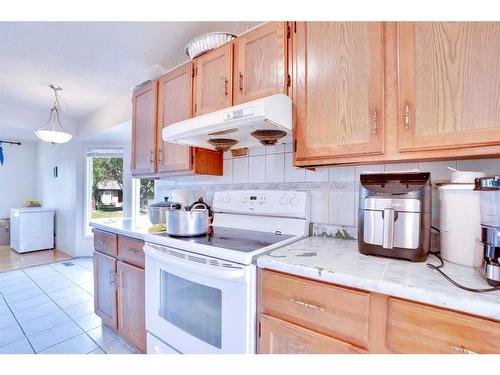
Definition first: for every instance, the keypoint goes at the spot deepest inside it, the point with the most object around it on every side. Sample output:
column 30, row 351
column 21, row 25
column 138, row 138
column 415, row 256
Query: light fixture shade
column 53, row 131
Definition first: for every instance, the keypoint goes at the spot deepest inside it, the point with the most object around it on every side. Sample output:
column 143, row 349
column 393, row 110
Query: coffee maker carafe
column 489, row 264
column 395, row 215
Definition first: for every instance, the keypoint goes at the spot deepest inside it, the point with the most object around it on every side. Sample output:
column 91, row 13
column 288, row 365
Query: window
column 104, row 197
column 143, row 192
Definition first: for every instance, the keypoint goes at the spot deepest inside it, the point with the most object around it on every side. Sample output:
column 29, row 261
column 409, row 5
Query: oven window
column 192, row 307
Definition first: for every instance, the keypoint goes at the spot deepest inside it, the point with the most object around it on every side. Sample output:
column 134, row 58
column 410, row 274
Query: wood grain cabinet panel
column 131, row 251
column 105, row 242
column 338, row 90
column 174, row 104
column 333, row 311
column 280, row 337
column 144, row 105
column 449, row 79
column 105, row 303
column 416, row 328
column 213, row 81
column 260, row 63
column 131, row 305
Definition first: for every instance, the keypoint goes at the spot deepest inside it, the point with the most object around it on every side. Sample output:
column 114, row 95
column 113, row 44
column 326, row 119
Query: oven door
column 198, row 305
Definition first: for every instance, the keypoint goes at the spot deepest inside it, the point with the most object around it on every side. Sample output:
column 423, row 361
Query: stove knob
column 294, row 201
column 226, row 199
column 283, row 201
column 219, row 199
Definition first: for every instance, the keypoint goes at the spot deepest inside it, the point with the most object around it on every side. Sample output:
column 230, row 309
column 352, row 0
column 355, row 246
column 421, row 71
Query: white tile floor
column 50, row 310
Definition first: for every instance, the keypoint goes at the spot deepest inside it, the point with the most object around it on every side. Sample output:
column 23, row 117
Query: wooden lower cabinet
column 299, row 315
column 119, row 295
column 131, row 313
column 281, row 337
column 104, row 289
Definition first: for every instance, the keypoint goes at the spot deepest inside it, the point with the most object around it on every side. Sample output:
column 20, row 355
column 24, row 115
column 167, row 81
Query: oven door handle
column 224, row 273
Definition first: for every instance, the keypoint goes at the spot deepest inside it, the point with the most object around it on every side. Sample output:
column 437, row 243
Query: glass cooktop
column 234, row 239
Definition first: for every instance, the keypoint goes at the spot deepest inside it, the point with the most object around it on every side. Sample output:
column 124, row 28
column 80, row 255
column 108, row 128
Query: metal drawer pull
column 226, row 84
column 134, row 250
column 462, row 350
column 374, row 121
column 305, row 304
column 407, row 115
column 100, row 242
column 241, row 82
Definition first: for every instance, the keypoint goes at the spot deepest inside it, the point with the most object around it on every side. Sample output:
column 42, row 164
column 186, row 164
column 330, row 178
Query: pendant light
column 53, row 131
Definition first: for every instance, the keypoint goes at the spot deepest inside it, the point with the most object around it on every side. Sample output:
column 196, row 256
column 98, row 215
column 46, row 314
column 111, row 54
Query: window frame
column 90, row 153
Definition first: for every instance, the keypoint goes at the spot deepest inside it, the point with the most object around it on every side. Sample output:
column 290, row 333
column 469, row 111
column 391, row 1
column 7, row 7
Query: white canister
column 459, row 222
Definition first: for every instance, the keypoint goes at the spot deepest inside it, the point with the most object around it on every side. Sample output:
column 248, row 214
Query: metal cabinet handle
column 160, row 151
column 112, row 278
column 407, row 115
column 307, row 305
column 375, row 121
column 226, row 84
column 151, row 156
column 100, row 242
column 133, row 250
column 241, row 82
column 462, row 350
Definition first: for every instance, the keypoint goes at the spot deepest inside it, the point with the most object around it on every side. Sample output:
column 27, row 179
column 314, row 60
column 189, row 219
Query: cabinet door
column 449, row 79
column 105, row 289
column 174, row 105
column 260, row 63
column 416, row 328
column 338, row 88
column 131, row 315
column 144, row 103
column 213, row 83
column 279, row 337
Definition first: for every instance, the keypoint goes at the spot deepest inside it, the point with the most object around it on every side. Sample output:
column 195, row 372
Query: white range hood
column 237, row 122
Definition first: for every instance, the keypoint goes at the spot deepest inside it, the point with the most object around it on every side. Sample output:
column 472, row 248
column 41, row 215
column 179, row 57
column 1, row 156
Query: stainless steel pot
column 191, row 223
column 157, row 211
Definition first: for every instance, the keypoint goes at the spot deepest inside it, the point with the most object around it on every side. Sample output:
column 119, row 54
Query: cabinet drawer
column 416, row 328
column 280, row 337
column 131, row 251
column 105, row 242
column 334, row 311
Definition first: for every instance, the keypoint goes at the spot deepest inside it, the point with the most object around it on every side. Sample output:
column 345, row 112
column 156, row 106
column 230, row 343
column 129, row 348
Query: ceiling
column 92, row 61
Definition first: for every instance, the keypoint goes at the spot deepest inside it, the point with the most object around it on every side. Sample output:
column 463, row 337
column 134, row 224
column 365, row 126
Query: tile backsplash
column 333, row 190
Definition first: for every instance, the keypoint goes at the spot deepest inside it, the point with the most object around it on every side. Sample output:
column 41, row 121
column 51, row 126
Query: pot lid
column 167, row 203
column 487, row 183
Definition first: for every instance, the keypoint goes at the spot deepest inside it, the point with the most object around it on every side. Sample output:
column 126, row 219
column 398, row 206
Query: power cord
column 438, row 268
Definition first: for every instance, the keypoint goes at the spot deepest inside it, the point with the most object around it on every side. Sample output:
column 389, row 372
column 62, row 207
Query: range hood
column 223, row 128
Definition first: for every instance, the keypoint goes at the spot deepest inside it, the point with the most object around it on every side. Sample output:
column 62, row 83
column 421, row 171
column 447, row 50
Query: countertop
column 339, row 262
column 126, row 227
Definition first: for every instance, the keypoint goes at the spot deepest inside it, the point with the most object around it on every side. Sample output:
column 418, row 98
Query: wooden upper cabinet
column 260, row 63
column 449, row 84
column 213, row 81
column 174, row 105
column 338, row 90
column 144, row 104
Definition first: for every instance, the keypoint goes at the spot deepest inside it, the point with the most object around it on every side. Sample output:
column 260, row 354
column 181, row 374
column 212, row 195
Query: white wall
column 18, row 176
column 60, row 192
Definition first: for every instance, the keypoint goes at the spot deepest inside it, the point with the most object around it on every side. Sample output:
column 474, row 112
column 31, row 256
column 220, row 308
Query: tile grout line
column 71, row 319
column 18, row 323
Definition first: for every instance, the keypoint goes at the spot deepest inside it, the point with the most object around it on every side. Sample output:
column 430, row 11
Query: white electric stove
column 201, row 291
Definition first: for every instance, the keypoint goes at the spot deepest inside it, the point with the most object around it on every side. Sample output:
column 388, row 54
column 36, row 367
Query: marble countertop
column 339, row 262
column 126, row 227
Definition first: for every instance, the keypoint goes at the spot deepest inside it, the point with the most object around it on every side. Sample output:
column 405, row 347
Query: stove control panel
column 262, row 202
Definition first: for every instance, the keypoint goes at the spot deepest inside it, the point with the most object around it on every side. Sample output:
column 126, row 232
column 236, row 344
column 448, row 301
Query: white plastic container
column 459, row 222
